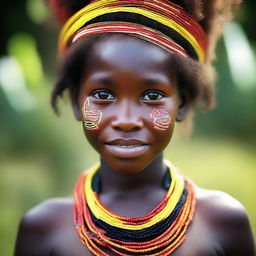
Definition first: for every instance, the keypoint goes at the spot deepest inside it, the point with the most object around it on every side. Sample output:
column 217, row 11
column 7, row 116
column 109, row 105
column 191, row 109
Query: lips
column 126, row 148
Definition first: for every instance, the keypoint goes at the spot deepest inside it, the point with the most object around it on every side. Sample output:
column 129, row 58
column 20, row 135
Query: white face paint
column 161, row 119
column 91, row 117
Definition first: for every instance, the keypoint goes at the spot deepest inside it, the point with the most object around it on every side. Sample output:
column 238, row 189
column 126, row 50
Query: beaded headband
column 160, row 22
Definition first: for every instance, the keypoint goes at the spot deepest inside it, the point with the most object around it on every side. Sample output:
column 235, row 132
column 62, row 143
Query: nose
column 128, row 117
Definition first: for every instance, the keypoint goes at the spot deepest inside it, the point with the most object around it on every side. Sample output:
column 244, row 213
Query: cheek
column 160, row 119
column 91, row 117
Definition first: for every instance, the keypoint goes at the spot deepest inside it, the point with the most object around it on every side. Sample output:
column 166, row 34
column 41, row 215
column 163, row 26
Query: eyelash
column 158, row 93
column 96, row 94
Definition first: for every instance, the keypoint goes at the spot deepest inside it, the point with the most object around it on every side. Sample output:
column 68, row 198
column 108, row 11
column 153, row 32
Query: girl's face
column 128, row 102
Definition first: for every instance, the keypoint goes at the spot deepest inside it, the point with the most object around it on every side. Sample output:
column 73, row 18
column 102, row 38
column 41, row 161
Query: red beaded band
column 133, row 29
column 171, row 11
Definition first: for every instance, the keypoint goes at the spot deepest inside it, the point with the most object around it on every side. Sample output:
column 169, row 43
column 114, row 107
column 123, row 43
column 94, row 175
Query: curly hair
column 195, row 81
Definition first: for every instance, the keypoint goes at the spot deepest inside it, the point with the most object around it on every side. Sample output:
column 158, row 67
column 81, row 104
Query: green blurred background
column 41, row 155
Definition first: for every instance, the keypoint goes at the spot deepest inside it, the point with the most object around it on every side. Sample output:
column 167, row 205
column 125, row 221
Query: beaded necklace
column 158, row 233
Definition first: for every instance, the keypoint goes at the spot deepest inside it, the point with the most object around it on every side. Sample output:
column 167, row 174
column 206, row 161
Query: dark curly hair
column 195, row 81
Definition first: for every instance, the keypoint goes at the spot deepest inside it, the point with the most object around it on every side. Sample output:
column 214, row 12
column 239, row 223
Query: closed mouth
column 127, row 143
column 127, row 146
column 124, row 148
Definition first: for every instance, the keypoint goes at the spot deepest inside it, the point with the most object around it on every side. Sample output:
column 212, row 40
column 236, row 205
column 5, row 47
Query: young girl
column 133, row 68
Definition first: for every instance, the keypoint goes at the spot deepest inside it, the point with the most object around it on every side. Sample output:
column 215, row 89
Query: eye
column 103, row 94
column 152, row 95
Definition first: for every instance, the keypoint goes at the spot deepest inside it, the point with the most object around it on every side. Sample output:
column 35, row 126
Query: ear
column 182, row 111
column 77, row 111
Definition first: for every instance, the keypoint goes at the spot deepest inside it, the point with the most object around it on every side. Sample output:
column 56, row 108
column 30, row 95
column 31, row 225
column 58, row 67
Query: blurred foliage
column 41, row 155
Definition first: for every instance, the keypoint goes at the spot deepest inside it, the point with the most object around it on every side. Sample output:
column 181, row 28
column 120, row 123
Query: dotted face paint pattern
column 91, row 117
column 161, row 119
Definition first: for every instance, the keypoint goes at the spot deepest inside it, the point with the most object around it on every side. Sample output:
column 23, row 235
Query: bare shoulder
column 39, row 223
column 48, row 214
column 217, row 205
column 228, row 220
column 48, row 210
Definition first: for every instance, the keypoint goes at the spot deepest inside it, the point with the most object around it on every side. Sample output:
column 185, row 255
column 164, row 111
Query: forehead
column 130, row 54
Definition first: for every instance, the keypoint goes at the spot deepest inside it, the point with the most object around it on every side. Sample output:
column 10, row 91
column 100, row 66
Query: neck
column 149, row 178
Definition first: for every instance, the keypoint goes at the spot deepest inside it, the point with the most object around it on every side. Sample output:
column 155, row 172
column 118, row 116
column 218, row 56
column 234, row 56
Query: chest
column 199, row 242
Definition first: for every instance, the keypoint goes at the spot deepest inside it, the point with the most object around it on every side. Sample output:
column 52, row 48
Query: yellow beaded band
column 100, row 212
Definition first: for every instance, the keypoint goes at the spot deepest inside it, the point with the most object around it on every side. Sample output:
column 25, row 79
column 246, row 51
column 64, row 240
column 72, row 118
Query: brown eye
column 103, row 95
column 152, row 95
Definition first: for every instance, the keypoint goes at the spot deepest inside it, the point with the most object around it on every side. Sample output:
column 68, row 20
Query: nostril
column 136, row 129
column 127, row 129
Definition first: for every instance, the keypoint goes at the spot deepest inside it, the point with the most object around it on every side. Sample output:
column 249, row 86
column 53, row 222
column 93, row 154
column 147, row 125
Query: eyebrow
column 102, row 80
column 156, row 80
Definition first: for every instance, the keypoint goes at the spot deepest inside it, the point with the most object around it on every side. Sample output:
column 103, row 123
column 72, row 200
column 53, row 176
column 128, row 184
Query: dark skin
column 126, row 80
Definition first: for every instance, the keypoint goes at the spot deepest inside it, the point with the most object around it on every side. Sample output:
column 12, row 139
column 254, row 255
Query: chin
column 128, row 166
